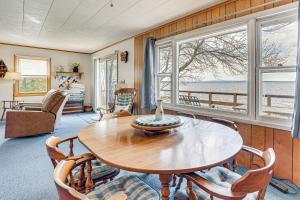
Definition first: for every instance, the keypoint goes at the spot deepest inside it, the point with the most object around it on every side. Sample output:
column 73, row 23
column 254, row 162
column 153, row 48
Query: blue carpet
column 26, row 171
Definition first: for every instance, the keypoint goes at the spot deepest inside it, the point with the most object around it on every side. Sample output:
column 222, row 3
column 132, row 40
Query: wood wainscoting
column 287, row 149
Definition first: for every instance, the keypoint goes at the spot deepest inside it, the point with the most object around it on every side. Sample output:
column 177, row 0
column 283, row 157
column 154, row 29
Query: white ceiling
column 86, row 25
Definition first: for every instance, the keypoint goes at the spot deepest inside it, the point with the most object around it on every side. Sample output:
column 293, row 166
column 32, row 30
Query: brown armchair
column 34, row 122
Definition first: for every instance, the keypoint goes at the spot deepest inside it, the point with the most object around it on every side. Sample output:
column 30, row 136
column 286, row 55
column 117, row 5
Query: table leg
column 165, row 180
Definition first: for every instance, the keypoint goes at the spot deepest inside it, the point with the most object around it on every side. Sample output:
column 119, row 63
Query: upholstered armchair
column 33, row 122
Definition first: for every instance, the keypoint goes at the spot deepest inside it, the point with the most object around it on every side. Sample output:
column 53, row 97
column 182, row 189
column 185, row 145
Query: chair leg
column 174, row 181
column 190, row 191
column 179, row 183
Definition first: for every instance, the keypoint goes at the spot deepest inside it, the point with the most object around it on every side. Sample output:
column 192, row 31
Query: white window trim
column 252, row 116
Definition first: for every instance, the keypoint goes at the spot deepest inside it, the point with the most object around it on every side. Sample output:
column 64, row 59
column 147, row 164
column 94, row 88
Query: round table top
column 194, row 146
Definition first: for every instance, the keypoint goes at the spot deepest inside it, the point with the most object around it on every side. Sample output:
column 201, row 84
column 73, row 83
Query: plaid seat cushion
column 98, row 170
column 132, row 186
column 222, row 177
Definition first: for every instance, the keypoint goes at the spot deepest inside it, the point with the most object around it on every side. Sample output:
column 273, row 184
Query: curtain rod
column 221, row 17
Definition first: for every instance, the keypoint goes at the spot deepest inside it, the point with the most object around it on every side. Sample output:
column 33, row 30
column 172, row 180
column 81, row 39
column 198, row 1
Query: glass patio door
column 106, row 80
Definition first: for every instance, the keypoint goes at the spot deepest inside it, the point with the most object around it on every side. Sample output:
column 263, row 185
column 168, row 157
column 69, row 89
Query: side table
column 11, row 105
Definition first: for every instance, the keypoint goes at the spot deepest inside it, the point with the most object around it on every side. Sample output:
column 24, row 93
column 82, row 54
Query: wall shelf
column 64, row 74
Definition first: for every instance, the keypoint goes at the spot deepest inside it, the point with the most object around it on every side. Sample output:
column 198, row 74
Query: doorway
column 106, row 79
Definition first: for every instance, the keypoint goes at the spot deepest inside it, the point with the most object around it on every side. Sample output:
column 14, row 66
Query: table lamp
column 12, row 76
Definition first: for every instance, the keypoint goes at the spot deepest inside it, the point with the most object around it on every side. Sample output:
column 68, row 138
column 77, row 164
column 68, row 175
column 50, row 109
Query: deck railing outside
column 190, row 97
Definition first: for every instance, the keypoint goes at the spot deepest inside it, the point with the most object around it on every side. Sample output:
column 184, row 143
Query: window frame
column 17, row 93
column 230, row 29
column 159, row 75
column 260, row 68
column 252, row 114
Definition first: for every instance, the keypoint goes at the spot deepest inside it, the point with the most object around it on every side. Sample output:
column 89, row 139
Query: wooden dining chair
column 225, row 122
column 123, row 101
column 127, row 187
column 101, row 173
column 224, row 184
column 231, row 164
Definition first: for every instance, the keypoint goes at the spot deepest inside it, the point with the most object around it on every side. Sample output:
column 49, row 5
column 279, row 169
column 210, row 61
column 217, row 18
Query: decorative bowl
column 148, row 123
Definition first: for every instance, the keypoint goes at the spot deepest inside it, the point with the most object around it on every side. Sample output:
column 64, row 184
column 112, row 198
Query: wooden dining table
column 195, row 146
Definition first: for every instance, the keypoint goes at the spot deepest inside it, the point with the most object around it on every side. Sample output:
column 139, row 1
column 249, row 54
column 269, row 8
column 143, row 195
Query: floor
column 26, row 171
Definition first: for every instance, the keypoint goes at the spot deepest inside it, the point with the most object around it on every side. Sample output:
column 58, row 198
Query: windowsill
column 238, row 117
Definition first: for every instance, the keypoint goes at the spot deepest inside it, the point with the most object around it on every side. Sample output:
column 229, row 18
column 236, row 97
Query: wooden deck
column 188, row 97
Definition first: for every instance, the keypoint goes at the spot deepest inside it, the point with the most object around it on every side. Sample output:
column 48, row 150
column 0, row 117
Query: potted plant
column 75, row 67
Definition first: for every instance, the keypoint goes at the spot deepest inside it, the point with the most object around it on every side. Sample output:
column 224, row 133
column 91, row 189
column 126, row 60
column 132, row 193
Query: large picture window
column 240, row 69
column 35, row 76
column 213, row 71
column 277, row 48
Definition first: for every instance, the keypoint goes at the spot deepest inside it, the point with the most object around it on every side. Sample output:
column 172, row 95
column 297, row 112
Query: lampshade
column 12, row 76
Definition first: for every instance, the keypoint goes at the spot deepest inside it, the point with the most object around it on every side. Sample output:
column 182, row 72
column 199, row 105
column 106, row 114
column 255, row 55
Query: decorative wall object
column 124, row 56
column 3, row 69
column 75, row 67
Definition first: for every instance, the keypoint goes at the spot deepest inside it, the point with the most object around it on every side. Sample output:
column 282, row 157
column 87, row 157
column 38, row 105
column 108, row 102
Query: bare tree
column 226, row 53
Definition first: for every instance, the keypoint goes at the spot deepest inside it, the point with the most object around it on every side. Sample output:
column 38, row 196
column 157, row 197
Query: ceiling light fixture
column 111, row 4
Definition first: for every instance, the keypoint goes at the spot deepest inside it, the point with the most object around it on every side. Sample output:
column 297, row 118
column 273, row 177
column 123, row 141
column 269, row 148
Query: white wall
column 7, row 53
column 125, row 70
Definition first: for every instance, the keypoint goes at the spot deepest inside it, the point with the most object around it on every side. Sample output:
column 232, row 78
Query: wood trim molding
column 43, row 48
column 16, row 85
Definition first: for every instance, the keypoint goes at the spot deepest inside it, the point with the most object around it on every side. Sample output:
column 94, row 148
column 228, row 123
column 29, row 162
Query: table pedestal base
column 165, row 180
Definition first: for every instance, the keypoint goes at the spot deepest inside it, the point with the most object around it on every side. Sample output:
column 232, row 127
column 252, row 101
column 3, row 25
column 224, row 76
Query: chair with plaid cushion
column 221, row 183
column 123, row 102
column 101, row 173
column 127, row 187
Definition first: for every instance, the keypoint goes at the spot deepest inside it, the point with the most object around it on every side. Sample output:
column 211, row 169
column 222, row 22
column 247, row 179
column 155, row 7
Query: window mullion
column 251, row 31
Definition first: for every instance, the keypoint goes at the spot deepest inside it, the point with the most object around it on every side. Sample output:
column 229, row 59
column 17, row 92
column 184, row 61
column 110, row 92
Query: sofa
column 38, row 120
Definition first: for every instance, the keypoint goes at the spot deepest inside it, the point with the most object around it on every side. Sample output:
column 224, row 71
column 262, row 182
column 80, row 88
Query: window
column 277, row 66
column 213, row 71
column 35, row 76
column 240, row 69
column 164, row 75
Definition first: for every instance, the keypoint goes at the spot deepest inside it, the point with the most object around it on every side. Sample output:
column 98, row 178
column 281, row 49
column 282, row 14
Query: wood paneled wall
column 287, row 149
column 191, row 22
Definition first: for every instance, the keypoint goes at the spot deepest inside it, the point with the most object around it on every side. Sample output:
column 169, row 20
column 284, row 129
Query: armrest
column 78, row 157
column 34, row 104
column 115, row 115
column 251, row 150
column 212, row 188
column 105, row 109
column 120, row 196
column 85, row 158
column 32, row 108
column 25, row 123
column 68, row 139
